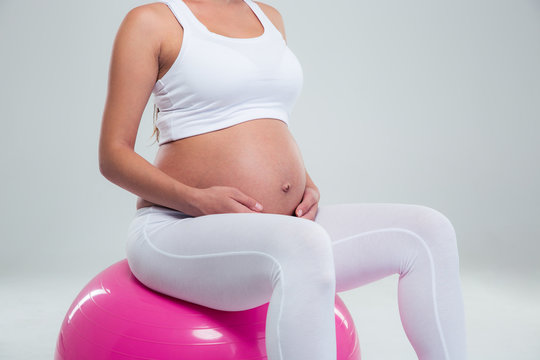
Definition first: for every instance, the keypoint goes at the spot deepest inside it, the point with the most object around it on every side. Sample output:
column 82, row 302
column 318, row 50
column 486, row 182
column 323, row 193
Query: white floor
column 503, row 317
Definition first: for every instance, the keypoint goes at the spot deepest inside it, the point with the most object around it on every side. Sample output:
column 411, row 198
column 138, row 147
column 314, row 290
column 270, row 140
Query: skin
column 253, row 166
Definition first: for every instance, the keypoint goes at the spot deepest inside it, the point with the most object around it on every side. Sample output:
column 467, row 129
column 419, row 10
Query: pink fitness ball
column 116, row 317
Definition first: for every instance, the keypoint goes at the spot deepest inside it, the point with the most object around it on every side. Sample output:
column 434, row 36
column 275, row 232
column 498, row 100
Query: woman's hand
column 307, row 209
column 223, row 199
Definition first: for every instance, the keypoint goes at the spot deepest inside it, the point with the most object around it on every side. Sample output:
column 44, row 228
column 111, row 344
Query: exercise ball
column 117, row 317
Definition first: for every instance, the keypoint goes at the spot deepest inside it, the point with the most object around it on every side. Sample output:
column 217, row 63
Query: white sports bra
column 218, row 81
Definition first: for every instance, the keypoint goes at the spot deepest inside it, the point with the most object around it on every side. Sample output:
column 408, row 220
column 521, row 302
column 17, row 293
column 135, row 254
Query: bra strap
column 181, row 12
column 268, row 25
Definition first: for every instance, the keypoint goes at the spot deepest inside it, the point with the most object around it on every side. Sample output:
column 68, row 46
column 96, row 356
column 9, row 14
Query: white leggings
column 238, row 261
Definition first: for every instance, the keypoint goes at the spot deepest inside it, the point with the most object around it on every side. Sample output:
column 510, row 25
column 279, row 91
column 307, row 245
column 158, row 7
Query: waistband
column 159, row 209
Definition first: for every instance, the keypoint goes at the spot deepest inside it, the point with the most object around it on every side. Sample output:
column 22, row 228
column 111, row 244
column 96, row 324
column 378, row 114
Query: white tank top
column 218, row 81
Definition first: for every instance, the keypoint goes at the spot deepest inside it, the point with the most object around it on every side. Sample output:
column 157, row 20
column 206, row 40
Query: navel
column 285, row 187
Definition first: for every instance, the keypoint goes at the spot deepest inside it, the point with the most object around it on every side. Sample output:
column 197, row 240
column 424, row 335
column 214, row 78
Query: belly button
column 285, row 187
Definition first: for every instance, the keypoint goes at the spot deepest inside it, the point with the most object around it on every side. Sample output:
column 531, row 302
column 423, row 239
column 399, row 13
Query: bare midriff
column 259, row 157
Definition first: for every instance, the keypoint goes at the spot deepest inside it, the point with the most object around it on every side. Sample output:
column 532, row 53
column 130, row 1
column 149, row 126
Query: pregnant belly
column 259, row 157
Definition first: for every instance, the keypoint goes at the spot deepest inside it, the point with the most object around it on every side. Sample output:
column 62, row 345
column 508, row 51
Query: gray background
column 428, row 102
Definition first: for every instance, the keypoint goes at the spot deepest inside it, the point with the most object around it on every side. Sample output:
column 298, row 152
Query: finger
column 301, row 209
column 240, row 208
column 311, row 213
column 247, row 201
column 306, row 205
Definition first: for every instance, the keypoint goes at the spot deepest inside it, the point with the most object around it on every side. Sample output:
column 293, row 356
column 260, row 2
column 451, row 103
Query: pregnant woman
column 227, row 216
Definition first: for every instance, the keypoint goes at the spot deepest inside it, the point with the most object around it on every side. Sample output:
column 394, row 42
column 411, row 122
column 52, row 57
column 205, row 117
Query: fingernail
column 258, row 206
column 299, row 212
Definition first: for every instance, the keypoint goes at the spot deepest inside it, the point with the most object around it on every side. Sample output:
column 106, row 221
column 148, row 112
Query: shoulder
column 144, row 20
column 146, row 15
column 147, row 25
column 274, row 15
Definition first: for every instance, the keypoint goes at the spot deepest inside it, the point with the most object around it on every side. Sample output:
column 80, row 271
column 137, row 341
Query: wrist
column 310, row 183
column 313, row 186
column 315, row 189
column 188, row 198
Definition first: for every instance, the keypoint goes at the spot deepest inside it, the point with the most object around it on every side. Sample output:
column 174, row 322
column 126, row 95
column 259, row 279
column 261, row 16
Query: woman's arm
column 309, row 205
column 132, row 75
column 310, row 183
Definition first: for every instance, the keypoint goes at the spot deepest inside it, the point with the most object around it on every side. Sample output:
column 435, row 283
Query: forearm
column 127, row 169
column 309, row 182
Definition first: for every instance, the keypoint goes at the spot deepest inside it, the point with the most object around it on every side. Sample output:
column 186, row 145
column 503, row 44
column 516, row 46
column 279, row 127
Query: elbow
column 111, row 160
column 110, row 169
column 105, row 167
column 107, row 163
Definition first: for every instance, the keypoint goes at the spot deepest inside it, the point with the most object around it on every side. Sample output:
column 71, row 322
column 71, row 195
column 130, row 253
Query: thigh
column 347, row 219
column 374, row 240
column 223, row 261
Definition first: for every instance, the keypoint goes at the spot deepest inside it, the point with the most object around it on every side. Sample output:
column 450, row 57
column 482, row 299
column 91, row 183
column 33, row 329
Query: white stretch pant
column 238, row 261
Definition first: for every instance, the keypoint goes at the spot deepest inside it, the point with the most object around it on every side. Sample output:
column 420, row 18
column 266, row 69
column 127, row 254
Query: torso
column 259, row 157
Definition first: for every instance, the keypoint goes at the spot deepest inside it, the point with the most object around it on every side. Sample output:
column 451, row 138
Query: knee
column 436, row 221
column 435, row 228
column 302, row 235
column 306, row 249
